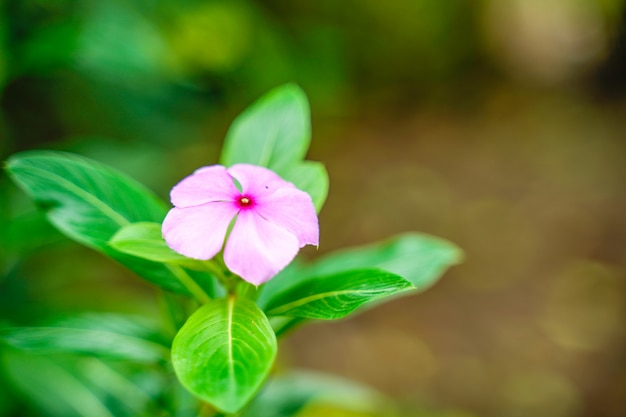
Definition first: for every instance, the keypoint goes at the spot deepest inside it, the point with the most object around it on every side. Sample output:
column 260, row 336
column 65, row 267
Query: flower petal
column 198, row 232
column 292, row 210
column 207, row 184
column 257, row 249
column 256, row 180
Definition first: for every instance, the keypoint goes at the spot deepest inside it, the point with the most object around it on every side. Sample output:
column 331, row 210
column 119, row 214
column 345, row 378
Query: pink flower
column 273, row 219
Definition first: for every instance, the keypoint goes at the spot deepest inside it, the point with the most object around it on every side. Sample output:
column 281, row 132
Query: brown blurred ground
column 532, row 187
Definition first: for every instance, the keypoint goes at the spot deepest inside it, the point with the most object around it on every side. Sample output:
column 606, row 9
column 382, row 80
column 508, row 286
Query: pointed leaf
column 144, row 240
column 124, row 324
column 274, row 132
column 89, row 202
column 224, row 352
column 419, row 258
column 84, row 341
column 86, row 200
column 53, row 388
column 335, row 296
column 63, row 385
column 311, row 177
column 131, row 390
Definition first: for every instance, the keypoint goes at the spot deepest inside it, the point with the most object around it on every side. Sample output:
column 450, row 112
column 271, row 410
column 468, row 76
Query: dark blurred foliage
column 498, row 125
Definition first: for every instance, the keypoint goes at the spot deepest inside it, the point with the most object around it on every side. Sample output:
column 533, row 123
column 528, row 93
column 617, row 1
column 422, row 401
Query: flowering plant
column 274, row 219
column 222, row 258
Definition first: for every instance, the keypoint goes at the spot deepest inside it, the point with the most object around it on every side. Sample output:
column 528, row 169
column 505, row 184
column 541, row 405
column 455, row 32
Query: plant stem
column 193, row 287
column 231, row 282
column 214, row 267
column 247, row 290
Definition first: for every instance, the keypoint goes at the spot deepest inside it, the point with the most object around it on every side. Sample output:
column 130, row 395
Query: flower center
column 244, row 201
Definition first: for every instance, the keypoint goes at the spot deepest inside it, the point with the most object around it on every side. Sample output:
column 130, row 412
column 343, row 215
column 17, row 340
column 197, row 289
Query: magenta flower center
column 244, row 201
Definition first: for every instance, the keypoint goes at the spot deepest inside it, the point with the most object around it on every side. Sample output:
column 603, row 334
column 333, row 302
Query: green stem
column 216, row 269
column 193, row 287
column 247, row 290
column 233, row 284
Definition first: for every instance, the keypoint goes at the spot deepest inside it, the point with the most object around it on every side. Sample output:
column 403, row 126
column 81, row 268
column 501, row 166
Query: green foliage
column 287, row 394
column 145, row 240
column 275, row 132
column 89, row 202
column 87, row 365
column 420, row 258
column 335, row 296
column 311, row 177
column 106, row 336
column 53, row 387
column 66, row 386
column 224, row 352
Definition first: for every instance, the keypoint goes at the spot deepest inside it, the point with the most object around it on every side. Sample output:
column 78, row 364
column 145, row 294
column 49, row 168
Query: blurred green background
column 499, row 125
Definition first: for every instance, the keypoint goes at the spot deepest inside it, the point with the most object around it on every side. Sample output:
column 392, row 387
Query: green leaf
column 335, row 296
column 86, row 200
column 224, row 352
column 66, row 386
column 287, row 394
column 144, row 240
column 92, row 342
column 123, row 324
column 311, row 177
column 419, row 258
column 274, row 132
column 89, row 202
column 26, row 231
column 54, row 389
column 135, row 390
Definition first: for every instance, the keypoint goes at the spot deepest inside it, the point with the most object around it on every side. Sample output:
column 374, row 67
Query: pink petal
column 292, row 210
column 198, row 232
column 256, row 180
column 257, row 249
column 207, row 184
